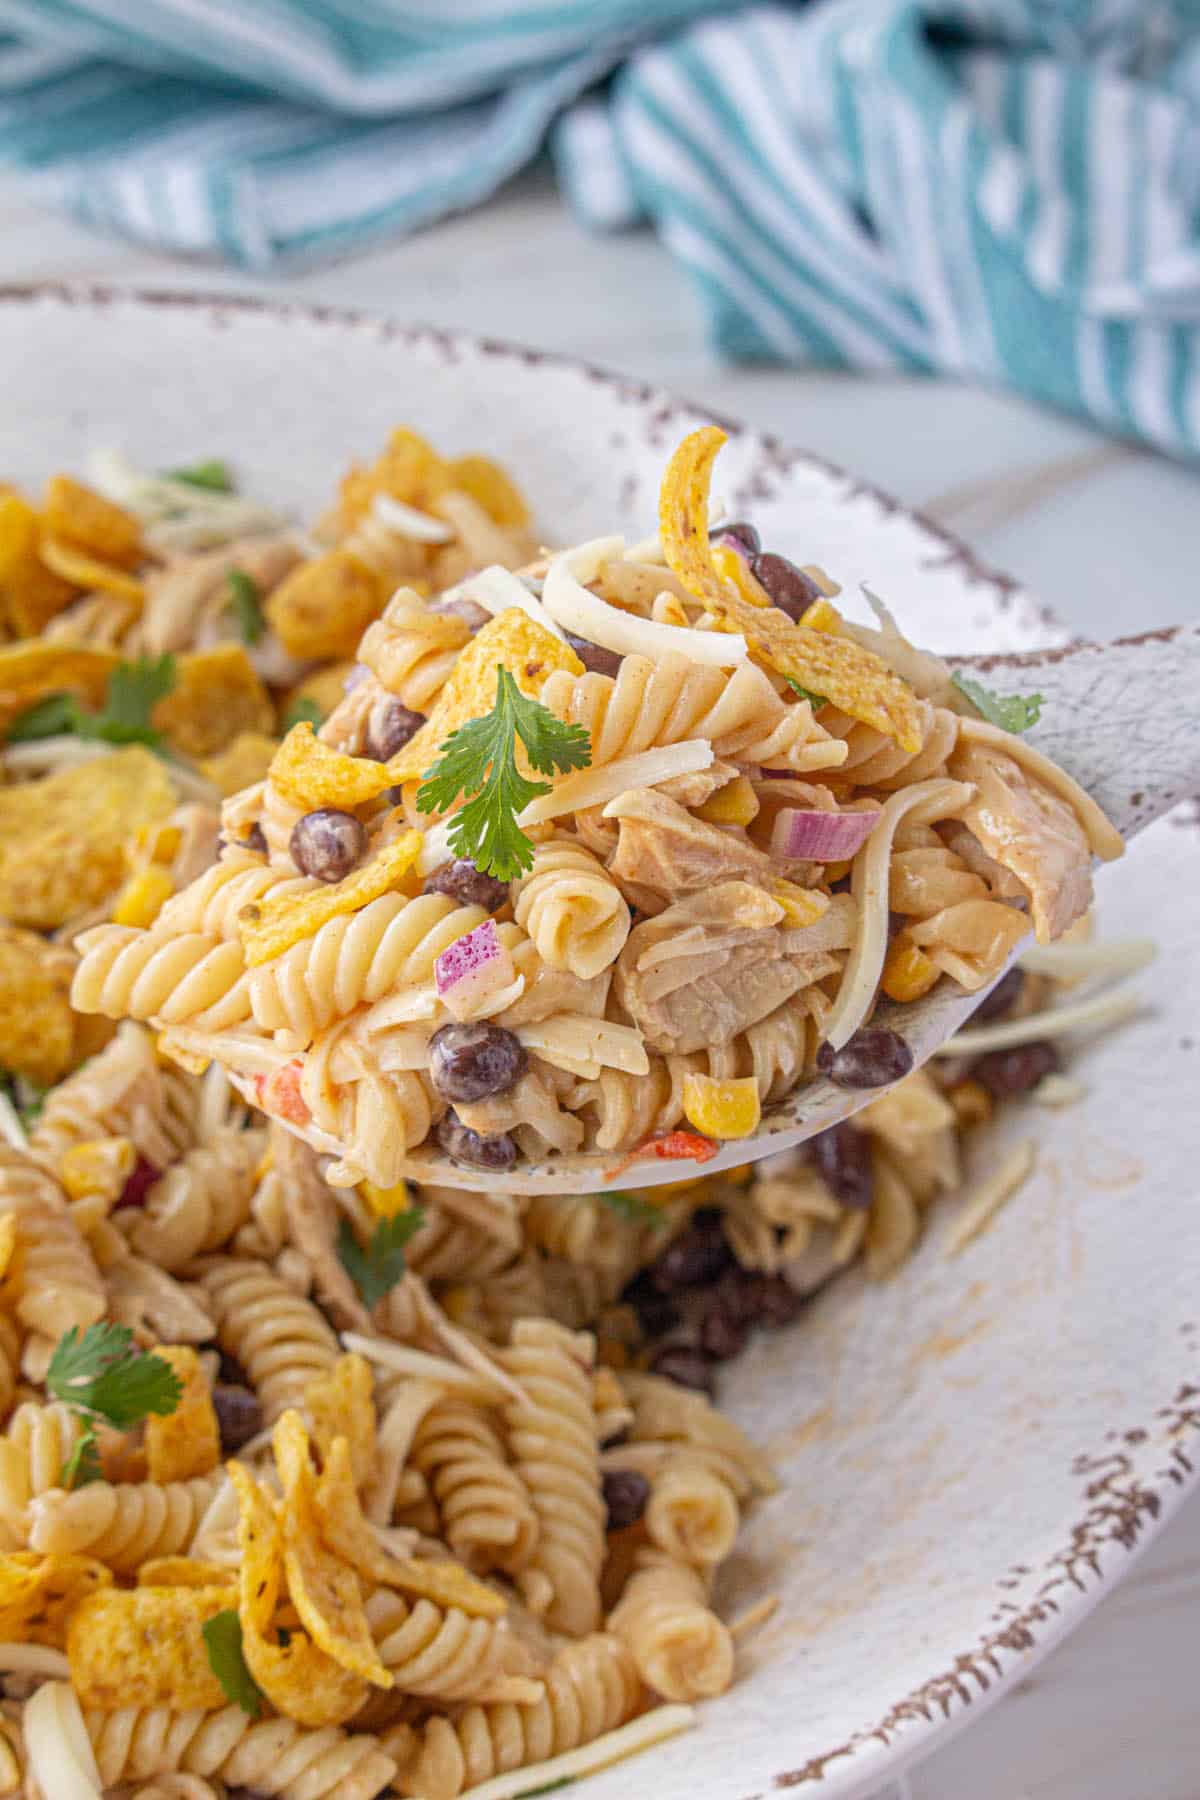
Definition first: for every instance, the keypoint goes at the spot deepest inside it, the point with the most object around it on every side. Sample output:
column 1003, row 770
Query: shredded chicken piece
column 701, row 785
column 711, row 966
column 312, row 1217
column 193, row 589
column 664, row 846
column 1030, row 832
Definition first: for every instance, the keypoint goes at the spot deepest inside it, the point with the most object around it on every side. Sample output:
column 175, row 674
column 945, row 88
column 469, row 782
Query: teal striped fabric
column 1008, row 189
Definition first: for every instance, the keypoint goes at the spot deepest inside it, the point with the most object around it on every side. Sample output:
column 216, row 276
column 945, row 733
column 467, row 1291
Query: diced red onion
column 471, row 968
column 801, row 834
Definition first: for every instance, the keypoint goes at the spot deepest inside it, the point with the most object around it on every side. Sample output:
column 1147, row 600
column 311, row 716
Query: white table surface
column 1108, row 534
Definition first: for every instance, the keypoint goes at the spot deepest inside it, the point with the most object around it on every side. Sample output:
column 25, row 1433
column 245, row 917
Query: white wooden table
column 1107, row 534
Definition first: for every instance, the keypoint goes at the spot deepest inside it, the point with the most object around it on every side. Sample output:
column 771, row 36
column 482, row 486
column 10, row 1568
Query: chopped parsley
column 814, row 700
column 376, row 1267
column 214, row 475
column 223, row 1641
column 134, row 690
column 302, row 711
column 247, row 605
column 629, row 1206
column 1011, row 712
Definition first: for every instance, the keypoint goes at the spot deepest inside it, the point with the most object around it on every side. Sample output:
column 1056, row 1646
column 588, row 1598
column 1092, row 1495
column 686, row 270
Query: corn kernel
column 731, row 567
column 99, row 1166
column 837, row 871
column 158, row 843
column 722, row 1109
column 385, row 1203
column 908, row 973
column 734, row 804
column 820, row 616
column 971, row 1102
column 143, row 897
column 801, row 906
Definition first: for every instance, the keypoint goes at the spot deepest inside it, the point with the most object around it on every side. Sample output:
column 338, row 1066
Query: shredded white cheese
column 983, row 1205
column 1105, row 1009
column 754, row 1616
column 1075, row 962
column 596, row 787
column 652, row 1728
column 34, row 1659
column 410, row 523
column 61, row 1758
column 403, row 1361
column 585, row 1045
column 498, row 590
column 1059, row 1091
column 568, row 601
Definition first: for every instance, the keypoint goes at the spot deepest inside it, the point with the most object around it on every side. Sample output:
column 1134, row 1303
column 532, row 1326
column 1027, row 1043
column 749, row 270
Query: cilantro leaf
column 214, row 475
column 247, row 604
column 301, row 711
column 83, row 1464
column 376, row 1267
column 806, row 693
column 54, row 716
column 223, row 1641
column 102, row 1377
column 628, row 1206
column 134, row 690
column 479, row 760
column 1011, row 712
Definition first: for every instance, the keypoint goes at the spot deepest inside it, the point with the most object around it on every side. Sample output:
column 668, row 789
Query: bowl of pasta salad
column 457, row 810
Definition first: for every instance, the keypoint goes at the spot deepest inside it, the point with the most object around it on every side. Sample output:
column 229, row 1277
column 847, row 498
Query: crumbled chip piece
column 37, row 1025
column 722, row 1109
column 217, row 693
column 323, row 607
column 187, row 1441
column 98, row 1166
column 88, row 572
column 29, row 672
column 143, row 897
column 79, row 515
column 181, row 1572
column 240, row 763
column 39, row 1593
column 283, row 920
column 145, row 1647
column 410, row 470
column 340, row 1403
column 310, row 774
column 30, row 593
column 63, row 837
column 495, row 491
column 856, row 680
column 513, row 641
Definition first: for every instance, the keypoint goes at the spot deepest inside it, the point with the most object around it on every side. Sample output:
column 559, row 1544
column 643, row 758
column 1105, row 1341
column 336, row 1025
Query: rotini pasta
column 486, row 1514
column 126, row 973
column 123, row 1524
column 57, row 1283
column 679, row 1645
column 438, row 1653
column 411, row 649
column 572, row 909
column 270, row 1756
column 280, row 1339
column 201, row 1201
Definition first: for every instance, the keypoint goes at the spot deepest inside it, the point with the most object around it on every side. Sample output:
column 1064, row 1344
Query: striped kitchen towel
column 1003, row 188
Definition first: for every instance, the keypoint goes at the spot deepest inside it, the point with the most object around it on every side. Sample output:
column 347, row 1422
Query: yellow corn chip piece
column 31, row 671
column 37, row 1026
column 341, row 1404
column 495, row 491
column 79, row 515
column 346, row 1531
column 310, row 774
column 145, row 1647
column 186, row 1442
column 183, row 1572
column 323, row 607
column 63, row 838
column 856, row 680
column 270, row 929
column 39, row 1593
column 297, row 1677
column 512, row 640
column 410, row 469
column 241, row 763
column 89, row 572
column 30, row 593
column 217, row 694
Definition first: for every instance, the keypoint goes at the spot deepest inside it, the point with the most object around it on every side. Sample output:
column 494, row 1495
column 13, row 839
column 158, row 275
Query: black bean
column 738, row 1293
column 472, row 1062
column 327, row 844
column 256, row 839
column 874, row 1057
column 594, row 656
column 389, row 727
column 473, row 616
column 779, row 1302
column 791, row 590
column 656, row 1312
column 625, row 1495
column 230, row 1370
column 463, row 882
column 1006, row 1073
column 480, row 1150
column 138, row 1182
column 686, row 1368
column 740, row 534
column 843, row 1159
column 697, row 1256
column 722, row 1335
column 239, row 1415
column 1003, row 997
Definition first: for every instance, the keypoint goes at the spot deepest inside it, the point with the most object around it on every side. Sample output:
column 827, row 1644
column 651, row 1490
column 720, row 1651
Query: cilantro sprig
column 223, row 1640
column 806, row 693
column 103, row 1378
column 134, row 690
column 479, row 761
column 214, row 475
column 1011, row 712
column 629, row 1206
column 376, row 1267
column 247, row 605
column 302, row 711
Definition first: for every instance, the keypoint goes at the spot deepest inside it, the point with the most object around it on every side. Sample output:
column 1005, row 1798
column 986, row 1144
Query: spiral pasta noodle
column 37, row 1442
column 679, row 1645
column 122, row 1092
column 200, row 1202
column 446, row 1248
column 591, row 1687
column 280, row 1339
column 412, row 649
column 552, row 1435
column 571, row 908
column 212, row 902
column 123, row 1525
column 56, row 1279
column 273, row 1757
column 486, row 1515
column 692, row 1515
column 875, row 761
column 126, row 973
column 665, row 702
column 436, row 1652
column 277, row 818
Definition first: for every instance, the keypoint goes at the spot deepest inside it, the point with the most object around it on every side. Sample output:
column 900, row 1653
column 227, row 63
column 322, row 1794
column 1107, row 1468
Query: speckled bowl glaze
column 974, row 1451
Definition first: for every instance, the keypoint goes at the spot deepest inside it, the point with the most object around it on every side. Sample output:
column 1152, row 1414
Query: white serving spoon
column 1122, row 718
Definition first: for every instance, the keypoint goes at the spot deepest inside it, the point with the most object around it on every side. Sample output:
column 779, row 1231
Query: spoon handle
column 1122, row 718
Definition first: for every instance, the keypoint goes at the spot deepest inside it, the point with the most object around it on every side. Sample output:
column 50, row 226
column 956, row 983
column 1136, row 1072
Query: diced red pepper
column 674, row 1146
column 142, row 1178
column 279, row 1093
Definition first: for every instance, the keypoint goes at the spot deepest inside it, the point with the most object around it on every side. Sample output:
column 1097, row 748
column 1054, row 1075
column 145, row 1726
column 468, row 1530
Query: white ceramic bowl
column 974, row 1451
